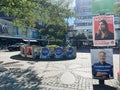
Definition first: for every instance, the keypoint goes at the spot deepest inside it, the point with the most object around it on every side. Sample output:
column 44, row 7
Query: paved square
column 52, row 75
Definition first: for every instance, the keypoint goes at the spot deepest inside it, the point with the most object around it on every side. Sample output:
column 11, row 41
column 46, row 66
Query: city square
column 26, row 74
column 60, row 45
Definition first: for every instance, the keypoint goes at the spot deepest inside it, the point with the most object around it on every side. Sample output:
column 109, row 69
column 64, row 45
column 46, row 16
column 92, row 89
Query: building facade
column 83, row 21
column 10, row 34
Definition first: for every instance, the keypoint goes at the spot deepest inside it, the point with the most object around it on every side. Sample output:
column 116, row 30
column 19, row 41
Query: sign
column 103, row 30
column 102, row 6
column 102, row 63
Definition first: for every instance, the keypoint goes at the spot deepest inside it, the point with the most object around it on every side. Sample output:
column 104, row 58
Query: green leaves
column 50, row 12
column 117, row 8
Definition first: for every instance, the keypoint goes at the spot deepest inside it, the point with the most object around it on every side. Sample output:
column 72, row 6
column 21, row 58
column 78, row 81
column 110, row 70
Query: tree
column 24, row 11
column 56, row 27
column 117, row 9
column 48, row 12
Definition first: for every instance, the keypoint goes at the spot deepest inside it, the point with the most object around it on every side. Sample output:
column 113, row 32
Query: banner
column 103, row 30
column 102, row 7
column 102, row 63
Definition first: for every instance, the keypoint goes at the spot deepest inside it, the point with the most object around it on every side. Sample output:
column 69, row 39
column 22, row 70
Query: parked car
column 15, row 47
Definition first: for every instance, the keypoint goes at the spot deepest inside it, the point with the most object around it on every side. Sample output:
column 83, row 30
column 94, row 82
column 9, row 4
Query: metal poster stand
column 101, row 82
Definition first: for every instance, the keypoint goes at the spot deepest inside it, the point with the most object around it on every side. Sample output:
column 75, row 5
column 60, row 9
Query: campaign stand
column 103, row 23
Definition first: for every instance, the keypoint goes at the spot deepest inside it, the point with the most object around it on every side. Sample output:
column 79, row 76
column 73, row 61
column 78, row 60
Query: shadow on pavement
column 103, row 87
column 20, row 79
column 10, row 63
column 19, row 57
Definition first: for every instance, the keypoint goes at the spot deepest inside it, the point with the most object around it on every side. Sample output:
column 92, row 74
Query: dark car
column 15, row 47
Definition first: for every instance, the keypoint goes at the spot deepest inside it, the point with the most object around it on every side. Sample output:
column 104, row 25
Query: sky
column 71, row 20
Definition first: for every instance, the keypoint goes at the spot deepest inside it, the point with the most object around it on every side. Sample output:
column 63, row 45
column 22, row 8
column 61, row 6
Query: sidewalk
column 75, row 75
column 54, row 75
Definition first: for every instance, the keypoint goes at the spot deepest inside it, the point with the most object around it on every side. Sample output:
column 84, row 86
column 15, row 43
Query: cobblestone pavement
column 60, row 75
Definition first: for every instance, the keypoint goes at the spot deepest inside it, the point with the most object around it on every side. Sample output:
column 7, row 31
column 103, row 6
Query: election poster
column 30, row 52
column 45, row 53
column 58, row 52
column 37, row 52
column 102, row 64
column 23, row 51
column 103, row 30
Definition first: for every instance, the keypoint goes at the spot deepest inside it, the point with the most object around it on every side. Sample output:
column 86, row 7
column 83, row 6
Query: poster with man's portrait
column 103, row 30
column 102, row 63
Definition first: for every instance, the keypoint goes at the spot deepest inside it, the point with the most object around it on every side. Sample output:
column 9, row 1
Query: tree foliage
column 117, row 8
column 52, row 13
column 57, row 27
column 24, row 11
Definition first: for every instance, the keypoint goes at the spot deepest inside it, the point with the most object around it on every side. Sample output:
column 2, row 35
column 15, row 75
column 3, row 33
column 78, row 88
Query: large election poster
column 102, row 63
column 103, row 30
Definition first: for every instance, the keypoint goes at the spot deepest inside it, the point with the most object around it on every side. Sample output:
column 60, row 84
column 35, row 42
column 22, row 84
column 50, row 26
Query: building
column 10, row 34
column 83, row 20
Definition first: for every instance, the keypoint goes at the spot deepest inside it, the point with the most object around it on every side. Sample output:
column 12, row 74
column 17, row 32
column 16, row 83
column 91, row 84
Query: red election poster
column 103, row 30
